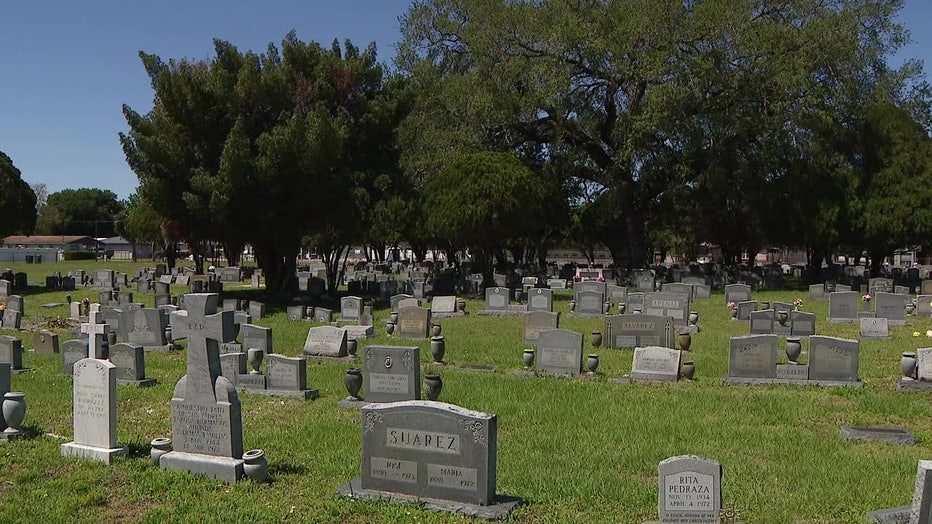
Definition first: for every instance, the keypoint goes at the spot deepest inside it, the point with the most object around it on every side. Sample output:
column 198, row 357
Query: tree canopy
column 86, row 211
column 17, row 200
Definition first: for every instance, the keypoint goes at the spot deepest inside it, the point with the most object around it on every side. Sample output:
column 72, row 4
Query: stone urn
column 782, row 317
column 14, row 410
column 592, row 363
column 734, row 313
column 351, row 346
column 764, row 305
column 621, row 308
column 907, row 364
column 693, row 318
column 793, row 349
column 158, row 447
column 636, row 311
column 606, row 307
column 519, row 294
column 686, row 340
column 432, row 386
column 437, row 348
column 393, row 317
column 528, row 358
column 255, row 356
column 255, row 465
column 435, row 330
column 572, row 305
column 309, row 312
column 689, row 369
column 353, row 382
column 596, row 338
column 389, row 328
column 910, row 308
column 461, row 305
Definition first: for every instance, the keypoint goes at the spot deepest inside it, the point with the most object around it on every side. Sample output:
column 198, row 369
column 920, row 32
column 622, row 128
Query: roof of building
column 32, row 240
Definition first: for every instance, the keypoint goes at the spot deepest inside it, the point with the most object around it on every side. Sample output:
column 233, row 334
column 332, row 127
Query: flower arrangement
column 2, row 306
column 929, row 333
column 798, row 303
column 916, row 333
column 731, row 304
column 867, row 298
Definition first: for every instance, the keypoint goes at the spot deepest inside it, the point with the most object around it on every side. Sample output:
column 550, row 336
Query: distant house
column 59, row 242
column 122, row 249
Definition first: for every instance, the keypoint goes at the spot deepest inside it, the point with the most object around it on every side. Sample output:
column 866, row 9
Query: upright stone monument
column 207, row 427
column 95, row 434
column 690, row 490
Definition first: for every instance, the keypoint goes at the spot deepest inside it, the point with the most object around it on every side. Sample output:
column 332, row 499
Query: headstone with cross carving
column 207, row 427
column 96, row 338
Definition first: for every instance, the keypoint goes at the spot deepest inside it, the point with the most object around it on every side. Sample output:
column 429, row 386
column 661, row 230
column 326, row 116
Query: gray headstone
column 559, row 352
column 350, row 308
column 656, row 363
column 702, row 291
column 874, row 327
column 921, row 512
column 630, row 330
column 129, row 361
column 431, row 450
column 497, row 298
column 257, row 337
column 395, row 299
column 71, row 352
column 745, row 309
column 45, row 342
column 690, row 490
column 323, row 315
column 891, row 307
column 833, row 358
column 12, row 319
column 232, row 365
column 445, row 304
column 75, row 311
column 540, row 299
column 11, row 352
column 325, row 341
column 843, row 305
column 148, row 328
column 924, row 363
column 392, row 373
column 6, row 288
column 556, row 283
column 295, row 313
column 537, row 321
column 674, row 305
column 256, row 309
column 680, row 289
column 15, row 303
column 590, row 285
column 737, row 293
column 589, row 303
column 286, row 373
column 753, row 356
column 802, row 324
column 94, row 410
column 762, row 322
column 413, row 323
column 210, row 445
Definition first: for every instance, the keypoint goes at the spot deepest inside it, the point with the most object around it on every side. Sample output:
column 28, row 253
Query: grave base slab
column 500, row 510
column 898, row 515
column 913, row 385
column 105, row 455
column 352, row 403
column 744, row 381
column 303, row 394
column 144, row 383
column 224, row 469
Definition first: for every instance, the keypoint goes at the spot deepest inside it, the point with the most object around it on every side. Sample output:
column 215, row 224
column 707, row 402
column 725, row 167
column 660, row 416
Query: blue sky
column 68, row 67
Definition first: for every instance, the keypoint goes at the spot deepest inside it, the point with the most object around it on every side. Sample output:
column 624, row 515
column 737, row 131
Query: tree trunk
column 278, row 263
column 232, row 251
column 331, row 257
column 876, row 257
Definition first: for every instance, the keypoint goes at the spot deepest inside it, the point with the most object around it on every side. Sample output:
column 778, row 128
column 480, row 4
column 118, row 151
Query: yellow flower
column 929, row 333
column 916, row 333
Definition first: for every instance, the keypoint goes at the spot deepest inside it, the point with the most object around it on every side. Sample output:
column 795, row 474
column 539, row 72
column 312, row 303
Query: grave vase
column 351, row 346
column 389, row 328
column 159, row 447
column 592, row 362
column 528, row 358
column 782, row 317
column 686, row 340
column 309, row 312
column 255, row 465
column 596, row 338
column 14, row 410
column 255, row 360
column 693, row 317
column 435, row 330
column 432, row 386
column 910, row 307
column 793, row 349
column 353, row 382
column 764, row 305
column 461, row 305
column 907, row 364
column 572, row 305
column 437, row 348
column 734, row 313
column 621, row 308
column 519, row 294
column 393, row 317
column 689, row 369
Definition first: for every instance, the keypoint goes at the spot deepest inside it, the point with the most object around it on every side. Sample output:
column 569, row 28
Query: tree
column 85, row 211
column 481, row 201
column 691, row 98
column 263, row 149
column 139, row 222
column 17, row 200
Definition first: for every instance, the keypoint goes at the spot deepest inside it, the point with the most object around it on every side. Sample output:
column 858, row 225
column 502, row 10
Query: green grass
column 575, row 450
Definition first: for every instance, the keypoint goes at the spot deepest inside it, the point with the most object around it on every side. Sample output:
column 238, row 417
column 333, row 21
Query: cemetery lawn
column 581, row 450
